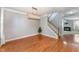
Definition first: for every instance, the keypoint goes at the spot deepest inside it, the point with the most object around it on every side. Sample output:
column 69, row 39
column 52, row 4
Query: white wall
column 0, row 25
column 17, row 25
column 45, row 29
column 57, row 20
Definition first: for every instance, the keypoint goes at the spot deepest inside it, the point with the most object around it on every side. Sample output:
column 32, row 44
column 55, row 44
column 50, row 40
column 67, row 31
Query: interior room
column 39, row 29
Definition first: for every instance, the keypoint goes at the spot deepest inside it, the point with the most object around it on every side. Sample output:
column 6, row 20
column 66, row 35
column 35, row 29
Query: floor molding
column 20, row 37
column 50, row 36
column 29, row 36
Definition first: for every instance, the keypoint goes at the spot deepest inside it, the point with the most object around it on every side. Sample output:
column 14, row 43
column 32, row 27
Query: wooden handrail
column 52, row 28
column 57, row 32
column 53, row 24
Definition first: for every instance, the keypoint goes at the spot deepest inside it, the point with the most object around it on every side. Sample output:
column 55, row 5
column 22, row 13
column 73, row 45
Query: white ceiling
column 41, row 10
column 47, row 10
column 0, row 11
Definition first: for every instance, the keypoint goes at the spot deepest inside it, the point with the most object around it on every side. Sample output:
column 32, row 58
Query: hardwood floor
column 39, row 44
column 69, row 38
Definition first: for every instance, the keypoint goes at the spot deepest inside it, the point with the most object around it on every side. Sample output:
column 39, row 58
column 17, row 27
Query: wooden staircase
column 54, row 28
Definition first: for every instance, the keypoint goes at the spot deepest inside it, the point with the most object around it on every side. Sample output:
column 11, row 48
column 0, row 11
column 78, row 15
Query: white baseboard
column 29, row 36
column 51, row 36
column 20, row 37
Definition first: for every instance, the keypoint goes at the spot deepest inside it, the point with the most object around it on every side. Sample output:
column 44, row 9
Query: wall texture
column 0, row 25
column 45, row 29
column 17, row 25
column 56, row 19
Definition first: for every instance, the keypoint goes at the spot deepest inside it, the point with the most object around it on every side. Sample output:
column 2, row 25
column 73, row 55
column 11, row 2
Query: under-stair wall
column 45, row 29
column 56, row 20
column 0, row 25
